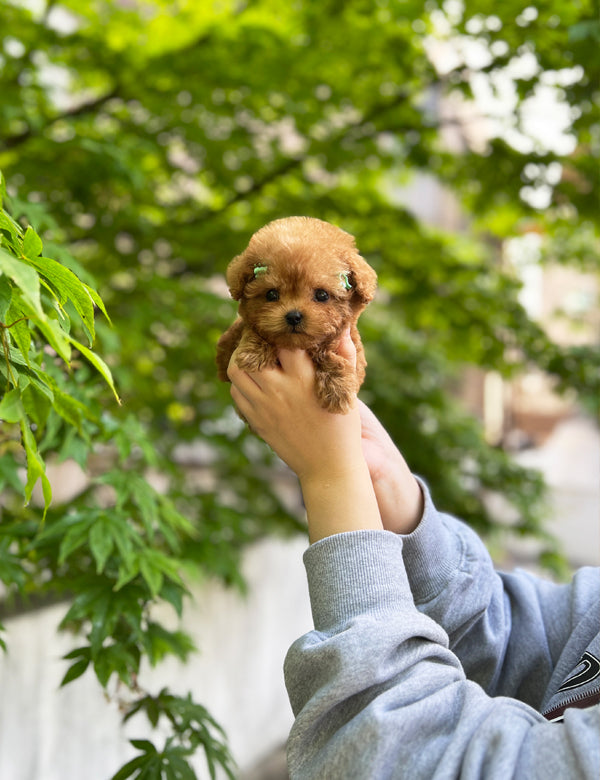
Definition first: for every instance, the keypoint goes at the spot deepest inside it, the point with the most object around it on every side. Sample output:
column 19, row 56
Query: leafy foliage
column 142, row 147
column 118, row 556
column 192, row 726
column 36, row 294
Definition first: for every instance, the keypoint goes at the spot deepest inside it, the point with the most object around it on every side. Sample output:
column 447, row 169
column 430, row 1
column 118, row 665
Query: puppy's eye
column 321, row 296
column 272, row 295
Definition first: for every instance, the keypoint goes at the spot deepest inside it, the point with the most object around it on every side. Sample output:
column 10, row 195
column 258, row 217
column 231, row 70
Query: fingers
column 250, row 387
column 243, row 388
column 347, row 348
column 241, row 380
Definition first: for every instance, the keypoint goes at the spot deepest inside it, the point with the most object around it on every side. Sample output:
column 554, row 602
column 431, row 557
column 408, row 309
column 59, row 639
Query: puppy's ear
column 239, row 273
column 363, row 279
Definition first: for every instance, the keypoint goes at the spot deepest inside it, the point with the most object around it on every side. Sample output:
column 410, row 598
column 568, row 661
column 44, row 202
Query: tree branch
column 375, row 111
column 83, row 108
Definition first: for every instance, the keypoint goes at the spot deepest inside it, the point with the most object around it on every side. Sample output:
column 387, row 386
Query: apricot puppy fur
column 301, row 282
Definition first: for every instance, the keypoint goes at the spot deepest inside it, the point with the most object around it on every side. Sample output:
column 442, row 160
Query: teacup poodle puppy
column 301, row 283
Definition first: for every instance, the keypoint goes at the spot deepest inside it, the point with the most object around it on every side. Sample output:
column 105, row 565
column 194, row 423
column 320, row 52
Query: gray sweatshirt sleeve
column 507, row 630
column 378, row 693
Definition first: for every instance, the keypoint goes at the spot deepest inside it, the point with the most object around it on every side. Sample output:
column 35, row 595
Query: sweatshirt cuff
column 432, row 553
column 355, row 573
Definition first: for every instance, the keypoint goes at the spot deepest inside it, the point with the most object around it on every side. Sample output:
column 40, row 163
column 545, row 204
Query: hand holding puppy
column 324, row 449
column 281, row 407
column 333, row 455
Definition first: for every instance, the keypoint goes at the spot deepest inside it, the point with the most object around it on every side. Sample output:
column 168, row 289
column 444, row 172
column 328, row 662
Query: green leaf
column 151, row 574
column 91, row 593
column 98, row 363
column 173, row 594
column 101, row 542
column 32, row 243
column 11, row 408
column 152, row 711
column 160, row 642
column 28, row 374
column 97, row 300
column 144, row 745
column 11, row 566
column 78, row 652
column 69, row 287
column 26, row 279
column 154, row 565
column 75, row 671
column 5, row 298
column 75, row 538
column 181, row 770
column 588, row 29
column 126, row 539
column 55, row 336
column 9, row 473
column 102, row 624
column 115, row 658
column 128, row 571
column 75, row 447
column 36, row 468
column 70, row 409
column 36, row 403
column 176, row 520
column 19, row 330
column 146, row 498
column 7, row 223
column 131, row 767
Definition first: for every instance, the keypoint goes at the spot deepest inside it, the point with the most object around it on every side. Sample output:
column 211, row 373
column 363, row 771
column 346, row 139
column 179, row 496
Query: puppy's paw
column 253, row 361
column 336, row 391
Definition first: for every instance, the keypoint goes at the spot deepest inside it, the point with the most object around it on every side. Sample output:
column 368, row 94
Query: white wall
column 73, row 733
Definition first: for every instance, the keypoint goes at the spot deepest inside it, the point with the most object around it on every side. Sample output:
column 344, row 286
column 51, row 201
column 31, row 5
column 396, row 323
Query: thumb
column 346, row 348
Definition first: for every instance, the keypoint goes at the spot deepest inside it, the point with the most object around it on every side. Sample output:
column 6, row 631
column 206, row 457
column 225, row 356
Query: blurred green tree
column 144, row 142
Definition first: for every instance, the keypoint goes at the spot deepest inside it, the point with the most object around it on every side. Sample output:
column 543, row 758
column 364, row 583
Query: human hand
column 398, row 493
column 323, row 448
column 280, row 406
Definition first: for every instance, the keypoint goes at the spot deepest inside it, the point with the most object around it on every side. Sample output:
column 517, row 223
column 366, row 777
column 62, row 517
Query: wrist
column 332, row 469
column 339, row 501
column 401, row 504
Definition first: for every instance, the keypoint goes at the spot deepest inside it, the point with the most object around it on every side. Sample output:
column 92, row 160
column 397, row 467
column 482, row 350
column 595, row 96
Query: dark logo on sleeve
column 589, row 669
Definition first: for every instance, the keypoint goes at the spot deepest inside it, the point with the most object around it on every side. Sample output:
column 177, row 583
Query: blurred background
column 145, row 141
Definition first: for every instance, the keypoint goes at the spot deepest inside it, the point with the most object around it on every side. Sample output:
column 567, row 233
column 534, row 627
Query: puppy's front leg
column 226, row 346
column 335, row 383
column 254, row 353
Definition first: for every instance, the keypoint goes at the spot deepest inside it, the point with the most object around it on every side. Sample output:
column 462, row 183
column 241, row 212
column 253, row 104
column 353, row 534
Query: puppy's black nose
column 293, row 317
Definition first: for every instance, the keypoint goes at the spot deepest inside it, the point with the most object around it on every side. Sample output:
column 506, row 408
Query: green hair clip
column 259, row 269
column 345, row 281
